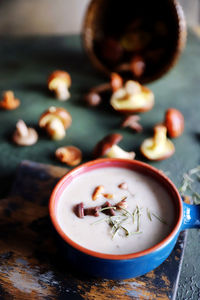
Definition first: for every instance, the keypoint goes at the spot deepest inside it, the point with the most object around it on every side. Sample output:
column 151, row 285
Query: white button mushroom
column 23, row 135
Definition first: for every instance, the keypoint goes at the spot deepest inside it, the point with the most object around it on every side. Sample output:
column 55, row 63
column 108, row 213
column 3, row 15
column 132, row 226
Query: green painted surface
column 24, row 68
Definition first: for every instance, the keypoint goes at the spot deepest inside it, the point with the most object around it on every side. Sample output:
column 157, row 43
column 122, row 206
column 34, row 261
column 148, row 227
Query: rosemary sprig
column 116, row 225
column 126, row 212
column 134, row 214
column 195, row 171
column 136, row 232
column 196, row 197
column 187, row 182
column 127, row 233
column 149, row 214
column 159, row 218
column 108, row 207
column 138, row 218
column 118, row 222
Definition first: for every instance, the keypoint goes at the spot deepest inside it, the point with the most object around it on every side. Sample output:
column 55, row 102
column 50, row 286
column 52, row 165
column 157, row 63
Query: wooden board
column 31, row 266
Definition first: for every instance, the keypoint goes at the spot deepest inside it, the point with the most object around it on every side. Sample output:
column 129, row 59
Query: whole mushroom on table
column 55, row 121
column 94, row 96
column 69, row 155
column 108, row 147
column 158, row 147
column 23, row 135
column 132, row 98
column 9, row 102
column 59, row 82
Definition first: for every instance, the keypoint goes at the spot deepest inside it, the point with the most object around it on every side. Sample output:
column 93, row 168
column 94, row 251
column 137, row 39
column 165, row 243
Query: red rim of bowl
column 166, row 182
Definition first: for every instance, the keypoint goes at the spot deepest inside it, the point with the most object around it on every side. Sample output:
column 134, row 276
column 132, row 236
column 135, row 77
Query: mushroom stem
column 117, row 152
column 101, row 88
column 160, row 137
column 56, row 129
column 22, row 128
column 62, row 92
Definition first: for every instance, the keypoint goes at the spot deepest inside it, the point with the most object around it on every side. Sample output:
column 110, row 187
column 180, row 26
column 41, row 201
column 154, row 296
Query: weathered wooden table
column 25, row 64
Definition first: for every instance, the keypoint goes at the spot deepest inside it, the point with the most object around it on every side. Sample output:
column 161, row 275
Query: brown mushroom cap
column 70, row 155
column 116, row 81
column 9, row 101
column 174, row 121
column 56, row 112
column 106, row 143
column 62, row 75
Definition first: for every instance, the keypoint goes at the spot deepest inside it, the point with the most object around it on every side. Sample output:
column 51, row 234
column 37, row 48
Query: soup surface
column 144, row 219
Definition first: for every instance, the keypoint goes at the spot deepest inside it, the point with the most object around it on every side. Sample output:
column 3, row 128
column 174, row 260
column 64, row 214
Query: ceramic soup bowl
column 122, row 266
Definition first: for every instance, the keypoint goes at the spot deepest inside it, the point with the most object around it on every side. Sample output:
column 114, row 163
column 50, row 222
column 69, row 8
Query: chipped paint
column 176, row 258
column 166, row 280
column 151, row 275
column 25, row 282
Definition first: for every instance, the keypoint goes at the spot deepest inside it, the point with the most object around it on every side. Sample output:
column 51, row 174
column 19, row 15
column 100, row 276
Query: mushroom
column 9, row 101
column 132, row 98
column 115, row 83
column 136, row 66
column 70, row 155
column 159, row 146
column 93, row 98
column 108, row 147
column 55, row 120
column 59, row 82
column 23, row 135
column 132, row 122
column 174, row 121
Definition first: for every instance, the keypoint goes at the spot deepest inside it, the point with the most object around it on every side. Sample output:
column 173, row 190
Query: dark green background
column 24, row 67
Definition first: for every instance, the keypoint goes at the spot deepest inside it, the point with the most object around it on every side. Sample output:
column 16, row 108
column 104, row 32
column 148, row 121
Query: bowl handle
column 191, row 216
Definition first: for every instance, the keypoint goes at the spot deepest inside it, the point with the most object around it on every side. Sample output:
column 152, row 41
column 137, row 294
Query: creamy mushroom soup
column 141, row 213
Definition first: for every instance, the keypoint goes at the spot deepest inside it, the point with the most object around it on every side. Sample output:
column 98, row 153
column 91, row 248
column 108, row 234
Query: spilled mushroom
column 69, row 155
column 93, row 97
column 55, row 121
column 108, row 147
column 59, row 82
column 132, row 98
column 9, row 102
column 158, row 147
column 23, row 135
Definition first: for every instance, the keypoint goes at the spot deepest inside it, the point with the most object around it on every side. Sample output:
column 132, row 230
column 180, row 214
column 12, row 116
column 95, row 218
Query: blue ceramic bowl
column 127, row 265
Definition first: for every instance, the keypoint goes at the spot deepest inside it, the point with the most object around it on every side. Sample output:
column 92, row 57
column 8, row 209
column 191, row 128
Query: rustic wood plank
column 31, row 265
